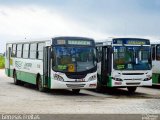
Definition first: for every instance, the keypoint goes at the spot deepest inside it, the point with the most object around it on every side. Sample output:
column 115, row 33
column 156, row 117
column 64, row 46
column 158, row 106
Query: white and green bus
column 124, row 62
column 156, row 62
column 57, row 63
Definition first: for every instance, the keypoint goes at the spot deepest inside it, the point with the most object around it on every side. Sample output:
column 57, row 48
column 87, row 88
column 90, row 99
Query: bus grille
column 133, row 83
column 133, row 79
column 132, row 73
column 75, row 85
column 75, row 76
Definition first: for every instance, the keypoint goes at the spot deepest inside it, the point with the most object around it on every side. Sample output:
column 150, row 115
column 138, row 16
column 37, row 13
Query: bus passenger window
column 40, row 50
column 33, row 50
column 25, row 50
column 19, row 50
column 14, row 50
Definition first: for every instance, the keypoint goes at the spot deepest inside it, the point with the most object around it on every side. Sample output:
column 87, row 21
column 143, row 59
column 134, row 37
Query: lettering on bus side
column 27, row 66
column 18, row 64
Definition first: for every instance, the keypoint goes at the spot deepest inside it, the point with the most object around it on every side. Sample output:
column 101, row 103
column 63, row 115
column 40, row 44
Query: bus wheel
column 131, row 89
column 39, row 85
column 75, row 91
column 16, row 82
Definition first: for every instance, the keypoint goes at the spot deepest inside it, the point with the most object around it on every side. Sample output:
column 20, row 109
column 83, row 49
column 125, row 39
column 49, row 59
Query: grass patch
column 2, row 62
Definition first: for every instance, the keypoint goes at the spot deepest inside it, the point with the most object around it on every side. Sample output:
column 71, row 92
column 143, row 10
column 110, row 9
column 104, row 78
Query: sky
column 98, row 19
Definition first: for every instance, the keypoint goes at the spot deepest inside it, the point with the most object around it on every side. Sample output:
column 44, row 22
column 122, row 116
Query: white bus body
column 156, row 62
column 57, row 63
column 124, row 62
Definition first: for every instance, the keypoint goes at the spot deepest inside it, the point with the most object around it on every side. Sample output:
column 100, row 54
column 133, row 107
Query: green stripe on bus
column 109, row 81
column 6, row 71
column 109, row 84
column 155, row 78
column 47, row 82
column 26, row 77
column 9, row 72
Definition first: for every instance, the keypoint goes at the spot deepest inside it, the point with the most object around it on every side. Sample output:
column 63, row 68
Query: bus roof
column 155, row 42
column 29, row 41
column 46, row 39
column 72, row 37
column 110, row 41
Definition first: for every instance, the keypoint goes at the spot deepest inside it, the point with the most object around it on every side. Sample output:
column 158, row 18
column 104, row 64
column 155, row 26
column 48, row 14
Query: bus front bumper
column 128, row 83
column 73, row 85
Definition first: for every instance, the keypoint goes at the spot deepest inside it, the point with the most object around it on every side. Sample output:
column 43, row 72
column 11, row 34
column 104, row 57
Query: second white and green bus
column 124, row 62
column 156, row 62
column 57, row 63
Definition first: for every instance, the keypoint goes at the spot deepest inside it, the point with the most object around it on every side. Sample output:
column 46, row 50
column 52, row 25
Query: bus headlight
column 148, row 78
column 58, row 77
column 94, row 77
column 117, row 79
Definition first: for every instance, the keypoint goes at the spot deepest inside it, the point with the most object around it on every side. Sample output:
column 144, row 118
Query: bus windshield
column 132, row 58
column 74, row 59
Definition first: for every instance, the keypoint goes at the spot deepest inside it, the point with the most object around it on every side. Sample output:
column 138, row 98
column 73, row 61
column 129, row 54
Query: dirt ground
column 27, row 99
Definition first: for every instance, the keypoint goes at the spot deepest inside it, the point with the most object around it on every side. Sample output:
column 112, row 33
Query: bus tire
column 75, row 91
column 16, row 82
column 131, row 90
column 39, row 85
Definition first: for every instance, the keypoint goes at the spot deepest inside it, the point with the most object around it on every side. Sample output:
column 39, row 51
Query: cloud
column 21, row 19
column 114, row 17
column 31, row 22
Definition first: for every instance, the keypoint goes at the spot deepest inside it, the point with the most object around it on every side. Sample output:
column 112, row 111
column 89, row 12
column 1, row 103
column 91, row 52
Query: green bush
column 2, row 62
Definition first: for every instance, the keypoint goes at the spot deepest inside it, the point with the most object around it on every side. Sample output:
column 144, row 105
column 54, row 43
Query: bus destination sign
column 79, row 42
column 131, row 41
column 136, row 42
column 61, row 42
column 67, row 41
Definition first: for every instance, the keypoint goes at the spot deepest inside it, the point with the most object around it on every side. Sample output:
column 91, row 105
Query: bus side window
column 40, row 50
column 153, row 52
column 33, row 51
column 14, row 49
column 19, row 50
column 25, row 50
column 158, row 52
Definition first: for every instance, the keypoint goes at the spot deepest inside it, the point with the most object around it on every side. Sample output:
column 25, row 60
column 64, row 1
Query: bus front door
column 46, row 66
column 106, row 65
